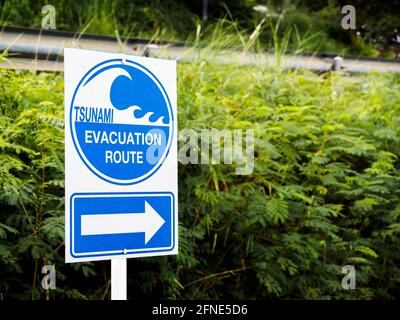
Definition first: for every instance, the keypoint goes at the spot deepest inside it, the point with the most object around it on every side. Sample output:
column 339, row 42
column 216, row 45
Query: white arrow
column 148, row 222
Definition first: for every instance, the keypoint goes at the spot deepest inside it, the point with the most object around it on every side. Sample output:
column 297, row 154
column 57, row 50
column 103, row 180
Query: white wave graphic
column 101, row 84
column 127, row 116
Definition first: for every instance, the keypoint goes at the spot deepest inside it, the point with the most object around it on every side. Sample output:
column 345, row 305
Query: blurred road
column 32, row 49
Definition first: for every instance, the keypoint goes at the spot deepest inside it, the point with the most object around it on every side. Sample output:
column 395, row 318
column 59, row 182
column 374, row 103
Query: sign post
column 120, row 159
column 118, row 278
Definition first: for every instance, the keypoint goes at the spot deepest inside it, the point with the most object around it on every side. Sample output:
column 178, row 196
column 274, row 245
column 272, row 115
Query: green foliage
column 324, row 188
column 324, row 192
column 158, row 19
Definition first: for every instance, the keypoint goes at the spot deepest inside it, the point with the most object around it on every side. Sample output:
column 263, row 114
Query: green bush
column 324, row 192
column 167, row 19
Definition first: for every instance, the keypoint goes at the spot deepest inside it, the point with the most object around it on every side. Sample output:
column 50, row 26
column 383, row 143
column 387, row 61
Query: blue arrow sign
column 148, row 222
column 121, row 223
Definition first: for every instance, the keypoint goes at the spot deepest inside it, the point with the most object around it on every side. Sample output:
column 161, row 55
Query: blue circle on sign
column 121, row 121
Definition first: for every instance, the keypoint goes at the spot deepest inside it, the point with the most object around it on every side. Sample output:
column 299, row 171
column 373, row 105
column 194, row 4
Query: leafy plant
column 324, row 192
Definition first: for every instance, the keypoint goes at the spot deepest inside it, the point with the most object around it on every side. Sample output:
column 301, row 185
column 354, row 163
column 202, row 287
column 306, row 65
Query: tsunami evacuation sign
column 120, row 156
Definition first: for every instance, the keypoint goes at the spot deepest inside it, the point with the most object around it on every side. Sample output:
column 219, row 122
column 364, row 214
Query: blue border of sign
column 171, row 127
column 121, row 193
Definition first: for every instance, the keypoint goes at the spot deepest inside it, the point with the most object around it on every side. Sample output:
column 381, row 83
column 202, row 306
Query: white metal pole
column 337, row 63
column 118, row 279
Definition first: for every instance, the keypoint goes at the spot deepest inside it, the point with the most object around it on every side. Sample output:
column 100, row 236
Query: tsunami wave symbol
column 135, row 97
column 115, row 100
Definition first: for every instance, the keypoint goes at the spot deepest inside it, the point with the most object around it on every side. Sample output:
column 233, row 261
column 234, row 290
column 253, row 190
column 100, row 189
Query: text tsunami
column 89, row 114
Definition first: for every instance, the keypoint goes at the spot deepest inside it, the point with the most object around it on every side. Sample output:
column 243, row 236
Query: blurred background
column 376, row 35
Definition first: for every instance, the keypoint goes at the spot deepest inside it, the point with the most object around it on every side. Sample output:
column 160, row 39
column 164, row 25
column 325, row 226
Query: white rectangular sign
column 120, row 156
